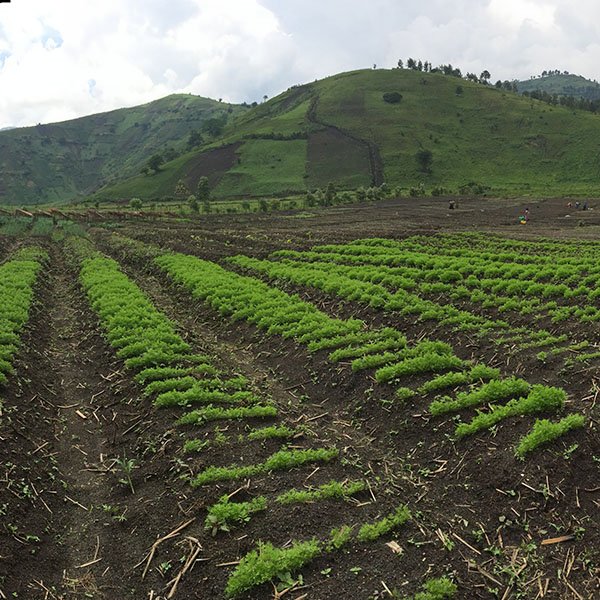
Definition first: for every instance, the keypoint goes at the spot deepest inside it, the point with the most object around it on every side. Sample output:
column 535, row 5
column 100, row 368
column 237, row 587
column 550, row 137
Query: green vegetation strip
column 489, row 392
column 333, row 490
column 225, row 514
column 462, row 266
column 17, row 279
column 267, row 562
column 436, row 589
column 541, row 398
column 148, row 341
column 280, row 461
column 280, row 313
column 545, row 431
column 339, row 281
column 455, row 379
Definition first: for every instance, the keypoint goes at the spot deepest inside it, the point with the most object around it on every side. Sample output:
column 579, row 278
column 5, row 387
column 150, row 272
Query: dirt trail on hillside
column 375, row 162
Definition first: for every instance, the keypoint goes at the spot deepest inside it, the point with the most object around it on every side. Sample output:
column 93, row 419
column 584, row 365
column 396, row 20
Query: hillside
column 62, row 161
column 562, row 84
column 340, row 129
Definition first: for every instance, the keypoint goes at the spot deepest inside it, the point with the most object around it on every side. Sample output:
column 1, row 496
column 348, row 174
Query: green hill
column 62, row 161
column 340, row 129
column 562, row 84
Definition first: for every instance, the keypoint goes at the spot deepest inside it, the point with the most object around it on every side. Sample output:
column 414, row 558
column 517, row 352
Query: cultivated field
column 378, row 401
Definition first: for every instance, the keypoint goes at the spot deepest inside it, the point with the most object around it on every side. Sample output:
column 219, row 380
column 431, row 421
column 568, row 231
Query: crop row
column 336, row 281
column 472, row 277
column 358, row 284
column 169, row 373
column 277, row 312
column 497, row 248
column 493, row 250
column 17, row 279
column 149, row 344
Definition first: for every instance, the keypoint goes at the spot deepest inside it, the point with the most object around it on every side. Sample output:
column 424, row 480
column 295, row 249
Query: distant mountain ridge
column 562, row 84
column 410, row 129
column 59, row 162
column 415, row 130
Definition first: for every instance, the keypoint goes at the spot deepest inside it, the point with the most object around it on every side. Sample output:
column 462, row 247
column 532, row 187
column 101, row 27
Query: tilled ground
column 72, row 530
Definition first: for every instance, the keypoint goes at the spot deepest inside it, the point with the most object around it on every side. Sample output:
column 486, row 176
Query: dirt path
column 81, row 389
column 67, row 406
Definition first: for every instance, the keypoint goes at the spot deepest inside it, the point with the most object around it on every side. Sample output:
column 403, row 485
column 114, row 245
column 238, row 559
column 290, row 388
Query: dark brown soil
column 71, row 530
column 212, row 164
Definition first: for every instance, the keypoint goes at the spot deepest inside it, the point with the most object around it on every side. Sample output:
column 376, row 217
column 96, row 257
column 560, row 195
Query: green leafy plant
column 282, row 460
column 371, row 531
column 267, row 563
column 329, row 491
column 545, row 431
column 127, row 465
column 541, row 398
column 433, row 589
column 225, row 513
column 493, row 391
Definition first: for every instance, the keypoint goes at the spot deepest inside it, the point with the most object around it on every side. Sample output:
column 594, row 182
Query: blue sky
column 62, row 59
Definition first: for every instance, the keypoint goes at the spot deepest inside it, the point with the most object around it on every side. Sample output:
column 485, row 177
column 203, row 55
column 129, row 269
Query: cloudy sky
column 60, row 59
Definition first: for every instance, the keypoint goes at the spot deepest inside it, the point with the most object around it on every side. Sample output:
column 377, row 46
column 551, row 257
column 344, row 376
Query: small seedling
column 127, row 464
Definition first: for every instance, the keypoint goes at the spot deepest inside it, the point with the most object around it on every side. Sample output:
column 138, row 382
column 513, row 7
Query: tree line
column 569, row 101
column 484, row 78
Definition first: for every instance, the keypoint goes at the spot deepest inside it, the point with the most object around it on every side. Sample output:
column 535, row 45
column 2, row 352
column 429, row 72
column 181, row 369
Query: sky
column 61, row 59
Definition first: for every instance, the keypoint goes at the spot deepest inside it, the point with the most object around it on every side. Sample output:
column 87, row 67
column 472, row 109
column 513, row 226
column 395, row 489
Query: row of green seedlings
column 340, row 280
column 149, row 344
column 268, row 563
column 282, row 314
column 18, row 276
column 225, row 514
column 467, row 278
column 573, row 265
column 279, row 313
column 362, row 284
column 576, row 270
column 522, row 399
column 489, row 252
column 544, row 251
column 334, row 280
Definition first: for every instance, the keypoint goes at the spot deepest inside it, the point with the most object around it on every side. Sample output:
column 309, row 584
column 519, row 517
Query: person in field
column 526, row 216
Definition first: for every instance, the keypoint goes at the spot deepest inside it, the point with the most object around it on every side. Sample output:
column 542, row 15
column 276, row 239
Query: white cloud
column 134, row 51
column 138, row 50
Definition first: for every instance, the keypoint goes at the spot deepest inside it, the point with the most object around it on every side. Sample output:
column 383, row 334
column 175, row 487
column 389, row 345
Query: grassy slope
column 490, row 136
column 60, row 161
column 484, row 135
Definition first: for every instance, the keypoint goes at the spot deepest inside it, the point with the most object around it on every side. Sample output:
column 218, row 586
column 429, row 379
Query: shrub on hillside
column 392, row 97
